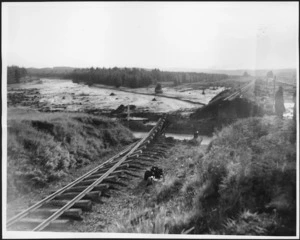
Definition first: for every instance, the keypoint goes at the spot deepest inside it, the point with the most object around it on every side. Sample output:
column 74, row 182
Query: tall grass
column 165, row 207
column 163, row 220
column 245, row 184
column 43, row 147
column 251, row 165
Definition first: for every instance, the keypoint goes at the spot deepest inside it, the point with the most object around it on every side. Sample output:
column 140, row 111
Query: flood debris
column 122, row 109
column 23, row 97
column 153, row 175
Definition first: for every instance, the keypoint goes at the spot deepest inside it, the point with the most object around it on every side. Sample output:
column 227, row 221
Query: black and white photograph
column 154, row 119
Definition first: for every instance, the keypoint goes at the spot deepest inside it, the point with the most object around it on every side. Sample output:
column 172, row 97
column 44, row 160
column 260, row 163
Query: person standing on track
column 196, row 134
column 279, row 103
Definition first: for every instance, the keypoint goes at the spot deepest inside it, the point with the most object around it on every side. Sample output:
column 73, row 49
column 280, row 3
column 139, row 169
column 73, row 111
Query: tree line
column 126, row 77
column 15, row 73
column 136, row 77
column 55, row 72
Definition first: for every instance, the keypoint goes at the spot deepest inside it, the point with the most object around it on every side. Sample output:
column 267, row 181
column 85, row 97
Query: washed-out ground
column 65, row 95
column 137, row 198
column 76, row 97
column 182, row 92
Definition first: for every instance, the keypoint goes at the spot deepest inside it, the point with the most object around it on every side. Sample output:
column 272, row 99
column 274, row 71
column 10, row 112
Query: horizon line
column 167, row 68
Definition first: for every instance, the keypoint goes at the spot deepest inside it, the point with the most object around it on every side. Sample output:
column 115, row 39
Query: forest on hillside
column 15, row 73
column 126, row 77
column 136, row 77
column 55, row 72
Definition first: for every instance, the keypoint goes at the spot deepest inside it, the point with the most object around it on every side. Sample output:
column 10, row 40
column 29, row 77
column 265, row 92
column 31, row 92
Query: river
column 58, row 93
column 69, row 96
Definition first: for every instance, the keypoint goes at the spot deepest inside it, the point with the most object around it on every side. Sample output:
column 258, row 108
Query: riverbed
column 64, row 95
column 69, row 96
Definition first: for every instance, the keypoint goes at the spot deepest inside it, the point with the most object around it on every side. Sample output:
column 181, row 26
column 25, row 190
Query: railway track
column 240, row 91
column 229, row 96
column 236, row 93
column 68, row 203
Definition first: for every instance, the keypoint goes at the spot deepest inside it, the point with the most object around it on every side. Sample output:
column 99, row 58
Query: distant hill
column 240, row 72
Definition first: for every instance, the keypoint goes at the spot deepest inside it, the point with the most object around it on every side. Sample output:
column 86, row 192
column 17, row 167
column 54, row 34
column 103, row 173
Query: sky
column 202, row 35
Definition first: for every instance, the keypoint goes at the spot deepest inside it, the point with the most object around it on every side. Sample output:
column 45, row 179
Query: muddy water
column 64, row 95
column 289, row 107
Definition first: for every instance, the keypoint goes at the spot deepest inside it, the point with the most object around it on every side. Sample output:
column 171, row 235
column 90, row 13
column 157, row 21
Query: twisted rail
column 113, row 163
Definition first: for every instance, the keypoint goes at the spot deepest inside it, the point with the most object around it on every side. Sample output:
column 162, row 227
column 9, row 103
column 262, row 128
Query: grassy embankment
column 244, row 184
column 44, row 147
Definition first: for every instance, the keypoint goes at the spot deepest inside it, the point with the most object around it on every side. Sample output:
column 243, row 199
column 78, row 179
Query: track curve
column 69, row 202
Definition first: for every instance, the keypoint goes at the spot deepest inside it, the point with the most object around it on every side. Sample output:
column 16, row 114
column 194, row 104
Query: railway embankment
column 44, row 147
column 243, row 183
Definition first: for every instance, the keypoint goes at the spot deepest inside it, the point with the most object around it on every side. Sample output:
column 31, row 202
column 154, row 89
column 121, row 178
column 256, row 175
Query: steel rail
column 139, row 151
column 53, row 195
column 236, row 93
column 57, row 214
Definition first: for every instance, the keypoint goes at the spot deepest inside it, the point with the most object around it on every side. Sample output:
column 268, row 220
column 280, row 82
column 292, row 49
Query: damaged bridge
column 230, row 105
